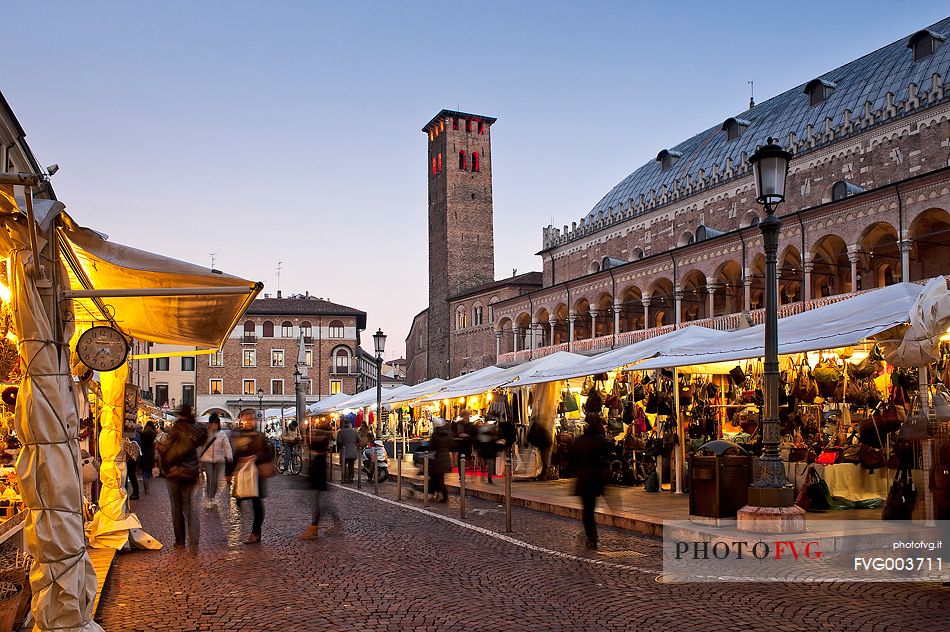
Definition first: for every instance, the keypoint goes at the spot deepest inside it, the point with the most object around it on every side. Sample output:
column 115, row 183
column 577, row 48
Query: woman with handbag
column 179, row 452
column 216, row 452
column 255, row 464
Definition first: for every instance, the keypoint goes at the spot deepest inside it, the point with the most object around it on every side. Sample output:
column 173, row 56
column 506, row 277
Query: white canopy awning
column 412, row 393
column 840, row 324
column 460, row 381
column 521, row 373
column 328, row 404
column 627, row 355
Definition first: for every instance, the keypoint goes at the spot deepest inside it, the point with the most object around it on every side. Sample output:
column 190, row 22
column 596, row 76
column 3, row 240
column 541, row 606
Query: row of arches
column 831, row 267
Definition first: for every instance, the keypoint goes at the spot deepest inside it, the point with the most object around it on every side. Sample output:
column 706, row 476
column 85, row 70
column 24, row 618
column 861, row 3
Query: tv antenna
column 280, row 265
column 213, row 255
column 751, row 94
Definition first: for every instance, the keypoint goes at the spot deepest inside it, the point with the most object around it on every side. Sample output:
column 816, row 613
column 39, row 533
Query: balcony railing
column 726, row 322
column 249, row 338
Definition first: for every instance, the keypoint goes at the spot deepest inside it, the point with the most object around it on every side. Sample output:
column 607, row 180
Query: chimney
column 278, row 293
column 307, row 293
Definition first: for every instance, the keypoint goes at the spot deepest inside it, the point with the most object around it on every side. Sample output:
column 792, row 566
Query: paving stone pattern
column 391, row 568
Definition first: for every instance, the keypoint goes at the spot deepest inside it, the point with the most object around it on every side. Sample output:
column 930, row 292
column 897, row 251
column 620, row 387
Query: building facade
column 171, row 379
column 676, row 242
column 255, row 368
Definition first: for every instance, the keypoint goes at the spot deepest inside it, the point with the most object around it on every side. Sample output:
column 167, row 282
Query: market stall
column 66, row 281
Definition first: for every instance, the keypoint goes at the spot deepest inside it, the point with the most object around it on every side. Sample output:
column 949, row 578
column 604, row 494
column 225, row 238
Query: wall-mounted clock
column 102, row 348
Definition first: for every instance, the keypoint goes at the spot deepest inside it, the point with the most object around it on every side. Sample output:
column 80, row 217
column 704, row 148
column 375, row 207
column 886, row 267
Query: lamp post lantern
column 379, row 344
column 260, row 409
column 771, row 496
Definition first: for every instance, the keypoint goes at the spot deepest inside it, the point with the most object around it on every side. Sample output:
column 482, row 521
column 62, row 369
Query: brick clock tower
column 461, row 240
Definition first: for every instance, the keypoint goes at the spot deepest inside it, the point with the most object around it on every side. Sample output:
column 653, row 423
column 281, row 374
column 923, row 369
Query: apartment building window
column 336, row 386
column 286, row 329
column 277, row 357
column 249, row 387
column 161, row 394
column 276, row 387
column 306, row 330
column 335, row 329
column 341, row 361
column 161, row 364
column 308, row 355
column 216, row 386
column 267, row 329
column 188, row 363
column 249, row 357
column 216, row 359
column 188, row 394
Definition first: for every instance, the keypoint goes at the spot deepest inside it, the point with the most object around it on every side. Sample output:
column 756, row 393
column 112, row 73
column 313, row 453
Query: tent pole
column 155, row 291
column 681, row 440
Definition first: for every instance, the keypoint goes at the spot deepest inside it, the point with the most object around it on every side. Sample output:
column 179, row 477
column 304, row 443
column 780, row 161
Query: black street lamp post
column 379, row 344
column 772, row 489
column 260, row 409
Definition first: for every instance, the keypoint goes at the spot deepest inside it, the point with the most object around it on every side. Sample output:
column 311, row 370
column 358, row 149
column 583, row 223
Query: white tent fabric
column 50, row 479
column 625, row 356
column 522, row 373
column 461, row 380
column 359, row 400
column 412, row 393
column 840, row 324
column 327, row 405
column 928, row 318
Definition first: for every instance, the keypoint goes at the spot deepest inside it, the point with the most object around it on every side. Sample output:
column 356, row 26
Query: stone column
column 746, row 291
column 497, row 344
column 854, row 256
column 645, row 301
column 517, row 334
column 711, row 287
column 552, row 322
column 905, row 246
column 618, row 307
column 808, row 267
column 678, row 304
column 571, row 317
column 593, row 322
column 534, row 335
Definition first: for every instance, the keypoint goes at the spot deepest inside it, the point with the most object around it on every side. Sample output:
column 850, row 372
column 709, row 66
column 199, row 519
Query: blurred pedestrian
column 147, row 460
column 289, row 440
column 347, row 444
column 323, row 503
column 214, row 457
column 440, row 444
column 487, row 447
column 132, row 451
column 464, row 431
column 251, row 446
column 590, row 455
column 179, row 452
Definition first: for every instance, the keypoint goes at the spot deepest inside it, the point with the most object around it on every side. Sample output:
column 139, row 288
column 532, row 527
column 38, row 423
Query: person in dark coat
column 179, row 452
column 147, row 460
column 590, row 454
column 487, row 447
column 440, row 443
column 464, row 431
column 320, row 438
column 347, row 444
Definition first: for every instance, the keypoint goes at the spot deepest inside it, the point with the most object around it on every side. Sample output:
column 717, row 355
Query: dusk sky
column 290, row 131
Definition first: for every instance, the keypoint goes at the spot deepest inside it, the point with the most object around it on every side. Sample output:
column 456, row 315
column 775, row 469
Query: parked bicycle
column 296, row 462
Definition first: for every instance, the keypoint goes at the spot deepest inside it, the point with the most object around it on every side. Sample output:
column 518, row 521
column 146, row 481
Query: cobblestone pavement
column 392, row 568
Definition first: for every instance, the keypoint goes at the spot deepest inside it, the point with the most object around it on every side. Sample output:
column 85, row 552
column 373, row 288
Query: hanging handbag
column 851, row 454
column 916, row 426
column 570, row 401
column 639, row 393
column 685, row 393
column 588, row 385
column 804, row 388
column 640, row 421
column 866, row 368
column 827, row 376
column 737, row 376
column 941, row 403
column 901, row 498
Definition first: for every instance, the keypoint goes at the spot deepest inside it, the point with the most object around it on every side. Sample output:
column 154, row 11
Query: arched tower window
column 475, row 162
column 433, row 165
column 462, row 160
column 440, row 161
